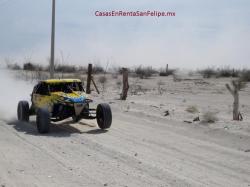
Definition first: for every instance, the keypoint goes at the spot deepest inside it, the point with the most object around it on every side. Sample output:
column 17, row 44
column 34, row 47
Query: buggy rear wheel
column 103, row 116
column 43, row 120
column 23, row 111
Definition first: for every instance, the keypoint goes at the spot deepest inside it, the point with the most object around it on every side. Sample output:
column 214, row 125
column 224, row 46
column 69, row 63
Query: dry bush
column 167, row 72
column 209, row 117
column 192, row 109
column 65, row 68
column 227, row 72
column 220, row 72
column 14, row 66
column 10, row 64
column 135, row 88
column 29, row 66
column 208, row 72
column 98, row 69
column 144, row 72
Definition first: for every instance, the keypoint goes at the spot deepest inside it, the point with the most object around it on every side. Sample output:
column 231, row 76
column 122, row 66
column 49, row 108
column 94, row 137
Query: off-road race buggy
column 58, row 99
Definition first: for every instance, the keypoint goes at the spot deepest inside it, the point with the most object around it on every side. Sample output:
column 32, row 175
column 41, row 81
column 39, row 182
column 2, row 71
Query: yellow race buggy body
column 58, row 99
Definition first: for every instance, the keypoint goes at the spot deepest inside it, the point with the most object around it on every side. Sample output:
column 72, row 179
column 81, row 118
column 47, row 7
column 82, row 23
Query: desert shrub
column 245, row 76
column 136, row 89
column 208, row 72
column 97, row 69
column 192, row 109
column 220, row 72
column 144, row 72
column 65, row 68
column 227, row 72
column 209, row 117
column 29, row 66
column 14, row 66
column 167, row 73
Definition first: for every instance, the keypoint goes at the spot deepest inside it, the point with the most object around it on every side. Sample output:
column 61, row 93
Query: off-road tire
column 23, row 111
column 103, row 116
column 43, row 120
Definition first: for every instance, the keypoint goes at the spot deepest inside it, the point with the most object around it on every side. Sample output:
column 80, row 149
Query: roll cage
column 44, row 88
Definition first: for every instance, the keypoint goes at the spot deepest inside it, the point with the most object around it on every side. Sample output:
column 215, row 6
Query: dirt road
column 137, row 151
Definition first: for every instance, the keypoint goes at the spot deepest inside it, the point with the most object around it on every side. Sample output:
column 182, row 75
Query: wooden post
column 125, row 84
column 167, row 68
column 88, row 91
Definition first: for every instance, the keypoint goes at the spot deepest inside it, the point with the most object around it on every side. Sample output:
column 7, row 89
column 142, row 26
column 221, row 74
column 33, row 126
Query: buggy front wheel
column 43, row 120
column 103, row 116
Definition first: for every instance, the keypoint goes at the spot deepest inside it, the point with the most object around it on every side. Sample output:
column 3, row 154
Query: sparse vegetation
column 225, row 72
column 136, row 89
column 144, row 72
column 14, row 66
column 97, row 69
column 29, row 66
column 65, row 68
column 208, row 72
column 166, row 73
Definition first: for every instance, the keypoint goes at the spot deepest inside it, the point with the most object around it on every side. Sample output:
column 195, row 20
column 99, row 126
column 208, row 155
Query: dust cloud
column 12, row 90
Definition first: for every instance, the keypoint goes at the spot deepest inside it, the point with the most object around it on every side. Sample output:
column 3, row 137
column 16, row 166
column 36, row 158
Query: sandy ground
column 143, row 148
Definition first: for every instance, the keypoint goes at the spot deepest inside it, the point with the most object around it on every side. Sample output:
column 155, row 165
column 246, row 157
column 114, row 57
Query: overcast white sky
column 203, row 33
